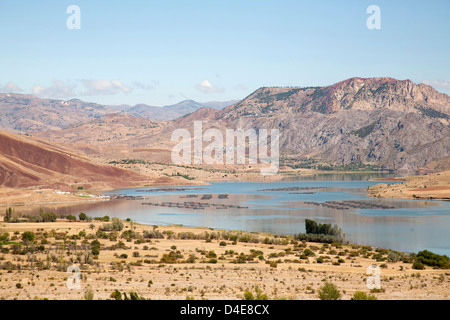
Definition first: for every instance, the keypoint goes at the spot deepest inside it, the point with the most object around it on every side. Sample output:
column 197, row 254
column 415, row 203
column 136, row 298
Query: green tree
column 48, row 216
column 434, row 260
column 329, row 292
column 8, row 215
column 95, row 247
column 311, row 226
column 82, row 216
column 28, row 237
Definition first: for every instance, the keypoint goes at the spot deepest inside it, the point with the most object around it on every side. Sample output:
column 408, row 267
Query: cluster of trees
column 431, row 259
column 13, row 217
column 318, row 232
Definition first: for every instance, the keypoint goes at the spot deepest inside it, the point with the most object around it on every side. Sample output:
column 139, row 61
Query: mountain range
column 170, row 112
column 383, row 122
column 27, row 113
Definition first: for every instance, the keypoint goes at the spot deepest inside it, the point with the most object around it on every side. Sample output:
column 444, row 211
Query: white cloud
column 82, row 87
column 242, row 87
column 142, row 86
column 206, row 87
column 103, row 87
column 10, row 87
column 57, row 90
column 438, row 84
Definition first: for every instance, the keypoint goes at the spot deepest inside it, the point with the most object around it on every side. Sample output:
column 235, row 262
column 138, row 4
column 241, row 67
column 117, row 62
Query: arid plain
column 176, row 262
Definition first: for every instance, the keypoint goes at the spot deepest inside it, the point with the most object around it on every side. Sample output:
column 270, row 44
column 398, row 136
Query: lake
column 281, row 208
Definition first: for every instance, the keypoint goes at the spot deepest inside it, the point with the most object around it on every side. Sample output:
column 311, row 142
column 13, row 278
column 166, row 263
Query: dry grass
column 43, row 273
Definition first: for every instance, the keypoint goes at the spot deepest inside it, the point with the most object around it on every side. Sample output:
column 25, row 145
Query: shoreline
column 87, row 200
column 432, row 186
column 36, row 196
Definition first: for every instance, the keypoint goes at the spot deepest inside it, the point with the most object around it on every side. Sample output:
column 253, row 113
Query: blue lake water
column 410, row 225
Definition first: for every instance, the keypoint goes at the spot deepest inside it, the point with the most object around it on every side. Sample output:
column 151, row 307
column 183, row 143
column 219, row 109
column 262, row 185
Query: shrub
column 359, row 295
column 115, row 225
column 171, row 257
column 393, row 257
column 222, row 244
column 418, row 265
column 434, row 260
column 191, row 258
column 155, row 234
column 89, row 294
column 104, row 219
column 28, row 237
column 82, row 216
column 135, row 296
column 248, row 295
column 329, row 292
column 116, row 295
column 95, row 247
column 4, row 237
column 48, row 216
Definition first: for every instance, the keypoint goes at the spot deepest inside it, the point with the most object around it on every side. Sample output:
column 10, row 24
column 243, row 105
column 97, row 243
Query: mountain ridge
column 394, row 124
column 28, row 113
column 353, row 93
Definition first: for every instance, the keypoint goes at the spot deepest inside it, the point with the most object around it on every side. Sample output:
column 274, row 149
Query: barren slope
column 27, row 163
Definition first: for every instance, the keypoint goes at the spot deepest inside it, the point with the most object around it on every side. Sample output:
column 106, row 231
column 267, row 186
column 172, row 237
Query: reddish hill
column 25, row 163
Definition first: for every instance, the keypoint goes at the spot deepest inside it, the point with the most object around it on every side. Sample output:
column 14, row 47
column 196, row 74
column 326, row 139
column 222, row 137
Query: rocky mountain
column 28, row 113
column 389, row 123
column 352, row 94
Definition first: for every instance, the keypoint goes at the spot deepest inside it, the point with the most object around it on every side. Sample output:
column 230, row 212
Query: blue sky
column 162, row 52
